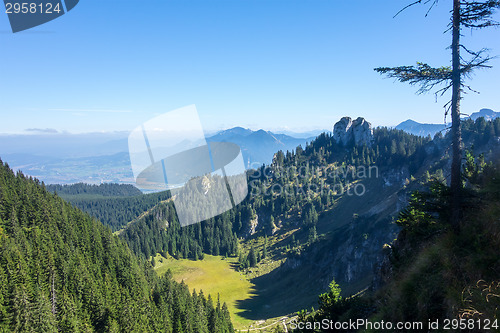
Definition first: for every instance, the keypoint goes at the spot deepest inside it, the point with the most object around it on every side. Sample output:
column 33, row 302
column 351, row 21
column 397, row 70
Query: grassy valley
column 214, row 275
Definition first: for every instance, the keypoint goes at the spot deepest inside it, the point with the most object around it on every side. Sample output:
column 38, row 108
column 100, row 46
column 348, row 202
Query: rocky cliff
column 359, row 131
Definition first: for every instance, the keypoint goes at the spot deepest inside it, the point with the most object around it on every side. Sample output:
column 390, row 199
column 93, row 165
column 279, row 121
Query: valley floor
column 216, row 275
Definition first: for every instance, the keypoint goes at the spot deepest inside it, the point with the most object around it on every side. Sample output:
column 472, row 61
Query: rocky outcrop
column 347, row 131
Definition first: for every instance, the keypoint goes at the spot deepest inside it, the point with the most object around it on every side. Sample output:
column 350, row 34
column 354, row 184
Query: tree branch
column 476, row 15
column 421, row 74
column 408, row 6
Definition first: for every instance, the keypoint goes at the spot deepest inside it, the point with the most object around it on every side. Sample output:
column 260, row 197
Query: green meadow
column 215, row 276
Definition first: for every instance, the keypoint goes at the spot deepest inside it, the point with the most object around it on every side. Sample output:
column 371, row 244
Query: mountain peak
column 420, row 129
column 257, row 146
column 487, row 111
column 488, row 114
column 346, row 130
column 409, row 122
column 235, row 131
column 261, row 132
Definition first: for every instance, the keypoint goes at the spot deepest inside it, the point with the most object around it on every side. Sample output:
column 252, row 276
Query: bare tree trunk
column 456, row 181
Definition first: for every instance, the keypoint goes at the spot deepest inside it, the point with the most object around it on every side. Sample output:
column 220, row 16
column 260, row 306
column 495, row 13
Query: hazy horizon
column 212, row 131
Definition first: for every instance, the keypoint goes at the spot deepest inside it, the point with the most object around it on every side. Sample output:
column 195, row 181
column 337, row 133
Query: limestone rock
column 358, row 131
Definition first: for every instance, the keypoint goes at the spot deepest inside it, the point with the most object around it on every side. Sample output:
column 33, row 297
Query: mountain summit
column 416, row 128
column 420, row 129
column 488, row 114
column 258, row 147
column 358, row 131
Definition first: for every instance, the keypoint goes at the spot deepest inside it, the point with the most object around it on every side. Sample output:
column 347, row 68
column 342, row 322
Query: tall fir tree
column 465, row 14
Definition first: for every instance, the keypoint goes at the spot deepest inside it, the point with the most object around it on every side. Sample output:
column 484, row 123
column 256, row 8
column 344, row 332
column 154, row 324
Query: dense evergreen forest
column 116, row 211
column 306, row 168
column 160, row 232
column 322, row 164
column 102, row 190
column 63, row 271
column 433, row 272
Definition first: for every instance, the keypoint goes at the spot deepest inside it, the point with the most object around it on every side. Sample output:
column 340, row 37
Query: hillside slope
column 316, row 229
column 434, row 278
column 63, row 271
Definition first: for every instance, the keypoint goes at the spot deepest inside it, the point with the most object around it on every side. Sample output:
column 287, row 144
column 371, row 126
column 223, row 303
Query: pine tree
column 252, row 258
column 312, row 234
column 271, row 226
column 465, row 14
column 264, row 249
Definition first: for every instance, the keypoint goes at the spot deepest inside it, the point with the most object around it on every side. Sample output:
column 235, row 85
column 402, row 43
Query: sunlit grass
column 214, row 276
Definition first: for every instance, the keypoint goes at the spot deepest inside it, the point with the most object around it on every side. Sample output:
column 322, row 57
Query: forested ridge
column 116, row 205
column 299, row 169
column 432, row 273
column 116, row 211
column 160, row 232
column 322, row 164
column 278, row 231
column 101, row 190
column 63, row 271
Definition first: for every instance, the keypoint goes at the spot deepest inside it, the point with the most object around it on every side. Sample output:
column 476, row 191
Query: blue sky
column 111, row 65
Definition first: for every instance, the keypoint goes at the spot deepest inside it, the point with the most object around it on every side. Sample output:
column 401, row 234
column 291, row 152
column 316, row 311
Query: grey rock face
column 341, row 129
column 358, row 131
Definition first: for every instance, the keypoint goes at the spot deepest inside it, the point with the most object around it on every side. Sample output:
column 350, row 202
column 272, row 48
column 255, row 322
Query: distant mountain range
column 258, row 147
column 488, row 114
column 64, row 145
column 306, row 134
column 413, row 127
column 64, row 158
